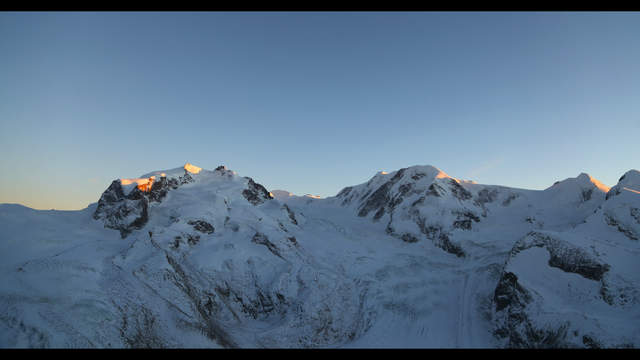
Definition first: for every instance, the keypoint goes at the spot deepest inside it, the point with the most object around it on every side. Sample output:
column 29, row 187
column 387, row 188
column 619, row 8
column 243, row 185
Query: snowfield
column 414, row 258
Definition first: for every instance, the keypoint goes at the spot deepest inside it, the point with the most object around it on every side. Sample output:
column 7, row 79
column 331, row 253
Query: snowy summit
column 190, row 257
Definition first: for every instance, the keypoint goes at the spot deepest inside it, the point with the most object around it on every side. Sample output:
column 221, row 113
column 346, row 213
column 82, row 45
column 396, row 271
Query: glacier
column 413, row 258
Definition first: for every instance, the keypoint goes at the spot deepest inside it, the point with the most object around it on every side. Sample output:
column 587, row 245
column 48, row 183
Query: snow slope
column 411, row 258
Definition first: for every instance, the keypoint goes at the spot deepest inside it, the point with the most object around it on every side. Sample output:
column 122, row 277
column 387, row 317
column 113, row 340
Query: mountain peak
column 582, row 180
column 192, row 168
column 631, row 177
column 281, row 194
column 597, row 183
column 630, row 181
column 422, row 170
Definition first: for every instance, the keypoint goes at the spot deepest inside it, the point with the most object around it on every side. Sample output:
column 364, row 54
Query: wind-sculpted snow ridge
column 190, row 257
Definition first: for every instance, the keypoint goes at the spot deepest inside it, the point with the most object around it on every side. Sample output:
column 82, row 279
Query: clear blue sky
column 313, row 102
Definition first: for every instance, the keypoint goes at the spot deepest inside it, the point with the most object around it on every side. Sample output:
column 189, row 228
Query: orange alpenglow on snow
column 443, row 175
column 599, row 185
column 192, row 168
column 143, row 184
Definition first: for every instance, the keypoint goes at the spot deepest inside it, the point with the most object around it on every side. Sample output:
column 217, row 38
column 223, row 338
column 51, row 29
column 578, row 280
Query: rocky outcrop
column 626, row 231
column 262, row 239
column 515, row 325
column 441, row 239
column 464, row 220
column 202, row 226
column 621, row 210
column 121, row 212
column 402, row 197
column 130, row 211
column 516, row 306
column 563, row 255
column 186, row 178
column 509, row 293
column 160, row 188
column 458, row 191
column 486, row 196
column 381, row 197
column 255, row 193
column 291, row 214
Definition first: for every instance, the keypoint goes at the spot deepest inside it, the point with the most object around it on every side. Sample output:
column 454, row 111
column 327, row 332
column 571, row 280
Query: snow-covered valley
column 190, row 257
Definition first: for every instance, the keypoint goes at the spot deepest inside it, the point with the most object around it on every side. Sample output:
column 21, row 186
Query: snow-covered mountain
column 189, row 257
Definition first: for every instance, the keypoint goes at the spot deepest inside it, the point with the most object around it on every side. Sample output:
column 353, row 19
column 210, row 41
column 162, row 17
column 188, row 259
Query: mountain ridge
column 190, row 257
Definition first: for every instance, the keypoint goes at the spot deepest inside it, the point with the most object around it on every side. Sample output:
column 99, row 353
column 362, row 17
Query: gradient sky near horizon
column 314, row 102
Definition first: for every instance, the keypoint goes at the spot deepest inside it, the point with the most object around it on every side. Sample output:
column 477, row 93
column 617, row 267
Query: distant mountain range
column 189, row 258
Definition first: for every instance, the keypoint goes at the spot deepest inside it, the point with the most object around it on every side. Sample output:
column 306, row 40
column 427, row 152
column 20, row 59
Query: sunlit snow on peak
column 633, row 191
column 598, row 184
column 143, row 184
column 192, row 168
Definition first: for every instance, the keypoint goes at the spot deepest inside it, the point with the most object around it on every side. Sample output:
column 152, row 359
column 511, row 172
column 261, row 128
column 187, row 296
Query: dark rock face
column 262, row 239
column 405, row 188
column 293, row 240
column 223, row 171
column 259, row 304
column 202, row 226
column 445, row 243
column 380, row 198
column 113, row 194
column 458, row 191
column 388, row 199
column 509, row 293
column 231, row 224
column 564, row 256
column 344, row 192
column 292, row 216
column 130, row 212
column 464, row 219
column 160, row 188
column 511, row 300
column 121, row 212
column 435, row 190
column 611, row 221
column 440, row 238
column 613, row 191
column 486, row 196
column 509, row 199
column 255, row 193
column 635, row 213
column 418, row 176
column 192, row 239
column 420, row 201
column 186, row 178
column 590, row 343
column 410, row 238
